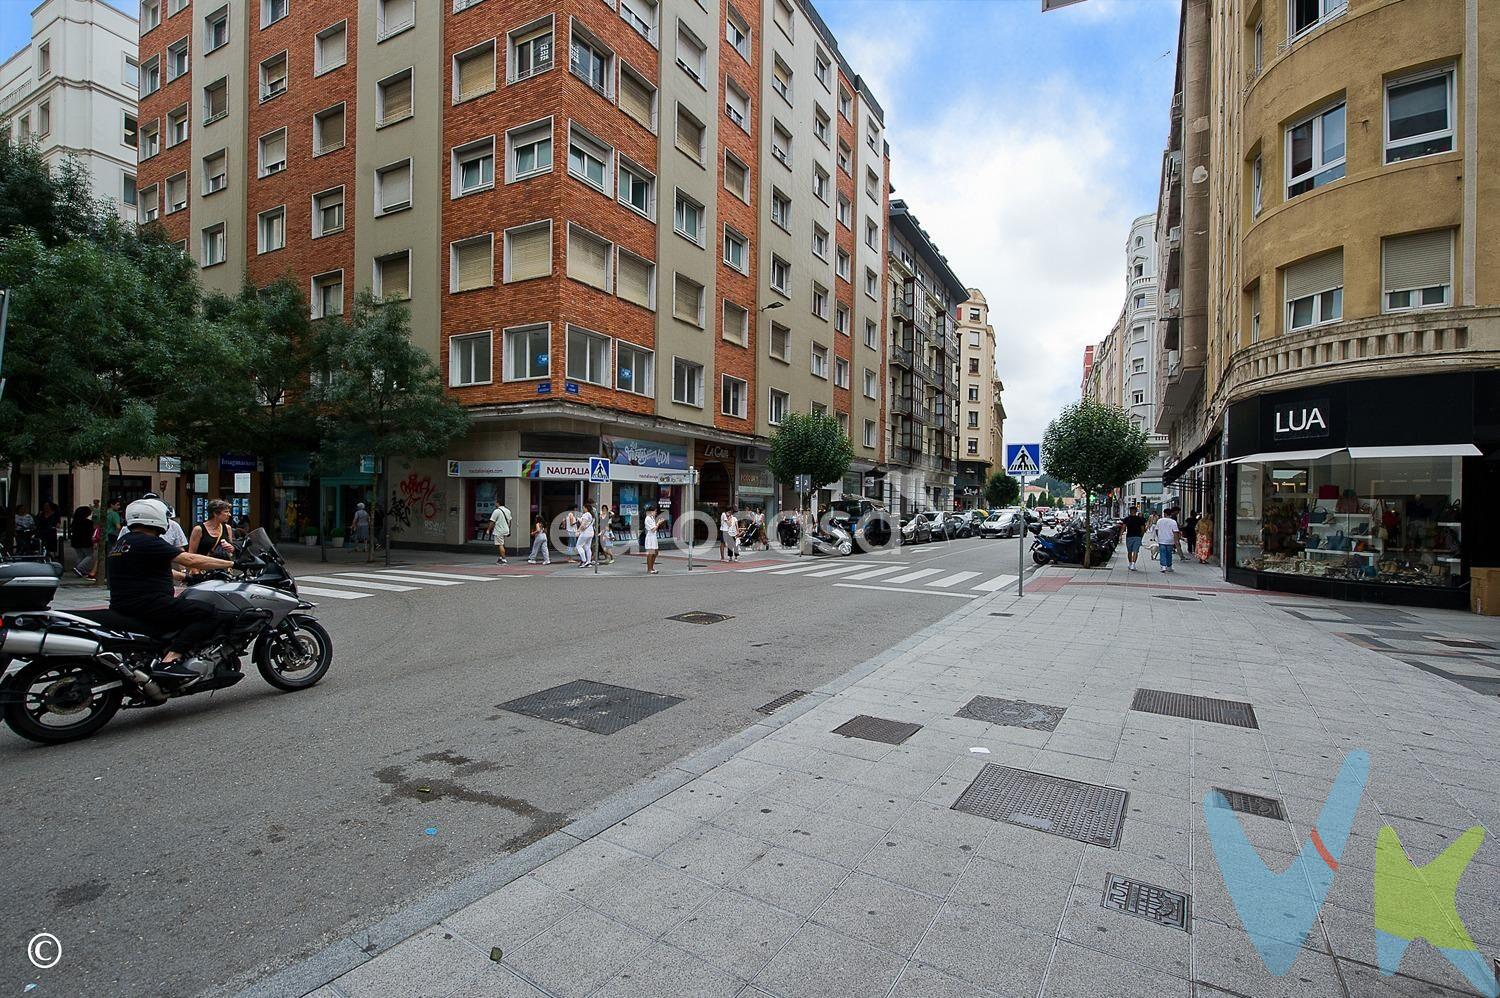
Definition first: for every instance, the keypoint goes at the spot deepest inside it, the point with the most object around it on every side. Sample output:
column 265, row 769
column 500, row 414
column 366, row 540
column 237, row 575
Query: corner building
column 629, row 228
column 1330, row 236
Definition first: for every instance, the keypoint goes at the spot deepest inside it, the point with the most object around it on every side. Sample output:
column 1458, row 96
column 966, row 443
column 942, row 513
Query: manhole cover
column 1180, row 599
column 781, row 702
column 1160, row 905
column 1046, row 803
column 1195, row 708
column 877, row 729
column 1263, row 807
column 1012, row 713
column 596, row 707
column 702, row 617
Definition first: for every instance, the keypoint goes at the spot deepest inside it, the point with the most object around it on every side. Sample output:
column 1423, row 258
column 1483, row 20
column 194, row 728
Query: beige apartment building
column 1329, row 247
column 983, row 427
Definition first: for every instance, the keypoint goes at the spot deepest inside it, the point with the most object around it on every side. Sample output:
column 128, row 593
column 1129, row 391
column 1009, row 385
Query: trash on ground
column 430, row 831
column 977, row 750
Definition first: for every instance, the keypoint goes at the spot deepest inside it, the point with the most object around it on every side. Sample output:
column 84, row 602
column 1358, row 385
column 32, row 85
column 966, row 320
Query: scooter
column 832, row 536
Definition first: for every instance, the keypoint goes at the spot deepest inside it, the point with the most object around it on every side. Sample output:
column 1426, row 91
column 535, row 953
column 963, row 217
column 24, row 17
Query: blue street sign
column 1024, row 460
column 544, row 388
column 571, row 388
column 599, row 469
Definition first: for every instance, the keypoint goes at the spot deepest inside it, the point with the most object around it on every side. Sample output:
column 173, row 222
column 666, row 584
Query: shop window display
column 1380, row 520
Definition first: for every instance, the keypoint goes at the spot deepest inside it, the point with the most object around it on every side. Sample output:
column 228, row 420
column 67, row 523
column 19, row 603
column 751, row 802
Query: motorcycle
column 833, row 535
column 1066, row 546
column 64, row 675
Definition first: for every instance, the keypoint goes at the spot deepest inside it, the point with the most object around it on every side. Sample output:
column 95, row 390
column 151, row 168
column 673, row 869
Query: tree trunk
column 101, row 547
column 1088, row 528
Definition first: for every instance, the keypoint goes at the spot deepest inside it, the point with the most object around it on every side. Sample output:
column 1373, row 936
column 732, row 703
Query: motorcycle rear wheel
column 296, row 655
column 56, row 687
column 1039, row 558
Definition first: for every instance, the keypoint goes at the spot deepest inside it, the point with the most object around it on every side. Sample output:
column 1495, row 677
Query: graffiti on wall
column 417, row 500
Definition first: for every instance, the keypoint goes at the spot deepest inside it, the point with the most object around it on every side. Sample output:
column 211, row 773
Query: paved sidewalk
column 797, row 863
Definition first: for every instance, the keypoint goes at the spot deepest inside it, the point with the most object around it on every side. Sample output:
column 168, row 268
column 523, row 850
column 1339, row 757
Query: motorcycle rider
column 140, row 585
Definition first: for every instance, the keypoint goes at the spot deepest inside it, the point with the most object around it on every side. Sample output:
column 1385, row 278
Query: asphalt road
column 193, row 848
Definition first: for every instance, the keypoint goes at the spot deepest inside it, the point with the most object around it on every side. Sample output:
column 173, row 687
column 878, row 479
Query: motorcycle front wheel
column 61, row 700
column 1039, row 558
column 295, row 655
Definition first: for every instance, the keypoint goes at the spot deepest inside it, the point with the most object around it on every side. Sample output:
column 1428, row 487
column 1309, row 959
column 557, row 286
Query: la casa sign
column 1301, row 420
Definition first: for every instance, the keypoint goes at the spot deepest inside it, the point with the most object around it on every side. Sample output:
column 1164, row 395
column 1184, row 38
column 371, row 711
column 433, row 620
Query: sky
column 1024, row 142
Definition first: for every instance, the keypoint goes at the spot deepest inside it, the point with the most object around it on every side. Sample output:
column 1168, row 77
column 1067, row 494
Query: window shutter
column 1321, row 273
column 395, row 187
column 734, row 176
column 689, row 136
column 1424, row 260
column 686, row 296
column 635, row 100
column 397, row 101
column 634, row 280
column 276, row 148
column 588, row 259
column 331, row 131
column 476, row 74
column 530, row 253
column 395, row 276
column 471, row 265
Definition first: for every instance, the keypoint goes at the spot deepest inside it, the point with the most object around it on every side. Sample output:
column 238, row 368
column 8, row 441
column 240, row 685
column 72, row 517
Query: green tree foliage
column 57, row 206
column 810, row 444
column 1001, row 490
column 1097, row 448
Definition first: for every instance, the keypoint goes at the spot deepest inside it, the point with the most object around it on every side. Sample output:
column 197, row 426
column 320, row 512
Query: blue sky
column 1024, row 142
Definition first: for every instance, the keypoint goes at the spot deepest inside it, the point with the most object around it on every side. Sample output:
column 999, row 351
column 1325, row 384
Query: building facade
column 982, row 432
column 1136, row 336
column 1330, row 251
column 648, row 232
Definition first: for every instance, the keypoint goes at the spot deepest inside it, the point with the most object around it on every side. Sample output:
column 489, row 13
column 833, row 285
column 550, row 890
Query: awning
column 1182, row 467
column 1287, row 455
column 1417, row 450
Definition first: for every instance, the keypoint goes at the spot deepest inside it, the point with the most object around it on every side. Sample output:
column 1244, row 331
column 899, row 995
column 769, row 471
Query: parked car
column 916, row 529
column 871, row 523
column 943, row 525
column 1002, row 523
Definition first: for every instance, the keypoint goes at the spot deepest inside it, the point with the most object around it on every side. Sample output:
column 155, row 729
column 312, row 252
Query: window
column 469, row 359
column 474, row 72
column 150, row 140
column 637, row 188
column 872, row 233
column 872, row 334
column 328, row 294
column 128, row 193
column 44, row 118
column 1137, row 398
column 820, row 184
column 1419, row 116
column 841, row 319
column 588, row 160
column 867, row 439
column 44, row 59
column 635, row 369
column 1315, row 291
column 471, row 263
column 1253, row 309
column 973, row 365
column 1257, row 177
column 1315, row 151
column 528, row 252
column 846, row 104
column 821, row 129
column 216, row 30
column 822, row 69
column 151, row 76
column 132, row 76
column 214, row 245
column 820, row 361
column 640, row 15
column 1137, row 365
column 872, row 283
column 737, row 33
column 781, row 79
column 1418, row 270
column 736, row 250
column 637, row 97
column 846, row 158
column 840, row 373
column 736, row 323
column 692, row 54
column 737, row 105
column 687, row 218
column 589, row 61
column 974, row 338
column 393, row 187
column 177, row 126
column 530, row 151
column 1140, row 302
column 150, row 207
column 588, row 258
column 843, row 265
column 328, row 212
column 273, row 77
column 273, row 152
column 531, row 50
column 736, row 177
column 150, row 15
column 781, row 12
column 272, row 11
column 971, row 446
column 872, row 138
column 974, row 314
column 393, row 16
column 872, row 384
column 393, row 276
column 820, row 241
column 328, row 130
column 473, row 167
column 270, row 229
column 1308, row 14
column 393, row 99
column 215, row 101
column 781, row 342
column 527, row 353
column 732, row 396
column 130, row 132
column 781, row 145
column 636, row 280
column 845, row 212
column 781, row 209
column 330, row 48
column 973, row 393
column 1257, row 48
column 820, row 301
column 872, row 185
column 687, row 300
column 588, row 356
column 780, row 403
column 781, row 276
column 689, row 134
column 687, row 382
column 177, row 59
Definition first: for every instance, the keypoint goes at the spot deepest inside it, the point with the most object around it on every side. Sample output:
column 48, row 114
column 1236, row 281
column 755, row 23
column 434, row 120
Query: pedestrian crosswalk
column 898, row 577
column 363, row 585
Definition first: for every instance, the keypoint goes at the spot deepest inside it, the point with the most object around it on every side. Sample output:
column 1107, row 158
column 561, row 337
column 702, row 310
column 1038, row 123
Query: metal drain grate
column 781, row 702
column 877, row 729
column 1195, row 708
column 1162, row 906
column 701, row 617
column 596, row 707
column 1180, row 599
column 1012, row 713
column 1244, row 803
column 1052, row 804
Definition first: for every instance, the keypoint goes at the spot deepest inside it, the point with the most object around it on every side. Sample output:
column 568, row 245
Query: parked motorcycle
column 63, row 675
column 1066, row 546
column 833, row 535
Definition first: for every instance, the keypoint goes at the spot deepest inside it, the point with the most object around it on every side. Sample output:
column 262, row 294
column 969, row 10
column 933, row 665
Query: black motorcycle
column 64, row 675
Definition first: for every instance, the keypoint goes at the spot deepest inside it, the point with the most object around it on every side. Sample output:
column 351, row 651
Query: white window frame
column 315, row 298
column 219, row 234
column 380, row 172
column 742, row 389
column 785, row 287
column 180, row 182
column 1385, row 295
column 217, row 18
column 691, row 367
column 266, row 168
column 209, row 115
column 377, row 283
column 461, row 156
column 505, row 275
column 512, row 176
column 777, row 395
column 601, row 152
column 268, row 11
column 262, row 244
column 640, row 80
column 1318, row 167
column 1257, row 185
column 627, row 168
column 820, row 242
column 493, row 45
column 645, row 28
column 150, row 76
column 871, row 432
column 871, row 384
column 609, row 257
column 779, row 198
column 589, row 335
column 507, row 337
column 381, row 121
column 820, row 299
column 743, row 336
column 488, row 337
column 737, row 34
column 741, row 119
column 183, row 46
column 453, row 248
column 1327, row 11
column 872, row 334
column 577, row 33
column 1450, row 78
column 384, row 29
column 701, row 318
column 513, row 39
column 318, row 232
column 818, row 361
column 695, row 66
column 681, row 197
column 318, row 116
column 645, row 369
column 1316, row 298
column 840, row 373
column 733, row 236
column 319, row 66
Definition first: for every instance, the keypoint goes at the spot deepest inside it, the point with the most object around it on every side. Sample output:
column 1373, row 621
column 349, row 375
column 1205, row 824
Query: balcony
column 901, row 356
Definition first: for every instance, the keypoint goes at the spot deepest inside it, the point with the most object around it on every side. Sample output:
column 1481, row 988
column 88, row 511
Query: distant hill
column 1053, row 486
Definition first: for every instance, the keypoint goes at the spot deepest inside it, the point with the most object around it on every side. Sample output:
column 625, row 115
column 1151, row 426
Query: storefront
column 1365, row 490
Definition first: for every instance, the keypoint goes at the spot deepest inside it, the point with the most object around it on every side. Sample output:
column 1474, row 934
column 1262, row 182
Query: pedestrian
column 213, row 537
column 570, row 533
column 1189, row 533
column 81, row 537
column 540, row 552
column 732, row 535
column 651, row 545
column 726, row 534
column 48, row 521
column 1205, row 538
column 359, row 527
column 1134, row 528
column 606, row 535
column 760, row 530
column 586, row 536
column 1166, row 539
column 500, row 530
column 377, row 523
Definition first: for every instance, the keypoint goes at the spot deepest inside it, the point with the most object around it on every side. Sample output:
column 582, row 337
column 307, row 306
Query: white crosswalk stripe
column 419, row 576
column 953, row 580
column 401, row 578
column 353, row 584
column 920, row 573
column 877, row 572
column 330, row 593
column 799, row 568
column 835, row 571
column 996, row 584
column 968, row 584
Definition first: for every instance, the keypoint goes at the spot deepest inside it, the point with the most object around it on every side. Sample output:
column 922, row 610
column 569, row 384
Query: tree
column 1031, row 501
column 1097, row 448
column 381, row 394
column 810, row 444
column 1001, row 490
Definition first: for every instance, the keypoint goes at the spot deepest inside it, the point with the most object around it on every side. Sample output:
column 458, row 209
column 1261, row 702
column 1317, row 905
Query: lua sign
column 1300, row 420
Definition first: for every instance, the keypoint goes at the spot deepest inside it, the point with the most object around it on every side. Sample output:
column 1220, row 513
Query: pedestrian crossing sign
column 599, row 469
column 1024, row 460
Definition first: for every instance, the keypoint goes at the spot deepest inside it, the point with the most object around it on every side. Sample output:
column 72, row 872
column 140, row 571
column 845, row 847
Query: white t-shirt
column 726, row 522
column 500, row 522
column 585, row 523
column 1166, row 530
column 652, row 522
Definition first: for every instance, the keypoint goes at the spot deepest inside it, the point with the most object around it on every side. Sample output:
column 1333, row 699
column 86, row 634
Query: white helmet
column 147, row 513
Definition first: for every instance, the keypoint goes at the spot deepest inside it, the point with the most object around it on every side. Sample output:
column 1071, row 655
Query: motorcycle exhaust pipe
column 31, row 644
column 148, row 686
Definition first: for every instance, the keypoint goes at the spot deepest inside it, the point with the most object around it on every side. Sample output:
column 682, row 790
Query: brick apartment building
column 641, row 229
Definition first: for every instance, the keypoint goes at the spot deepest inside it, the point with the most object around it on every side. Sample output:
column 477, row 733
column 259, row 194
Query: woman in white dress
column 586, row 537
column 652, row 524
